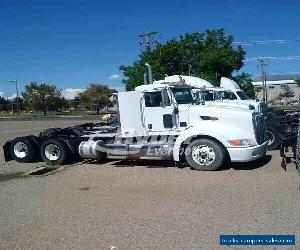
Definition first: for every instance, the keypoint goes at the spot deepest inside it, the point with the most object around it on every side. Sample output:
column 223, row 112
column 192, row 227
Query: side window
column 232, row 96
column 208, row 96
column 228, row 95
column 153, row 99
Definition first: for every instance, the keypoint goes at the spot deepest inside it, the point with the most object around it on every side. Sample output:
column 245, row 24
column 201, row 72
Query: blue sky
column 75, row 42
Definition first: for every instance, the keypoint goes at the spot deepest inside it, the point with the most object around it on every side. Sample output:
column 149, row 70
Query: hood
column 218, row 107
column 229, row 104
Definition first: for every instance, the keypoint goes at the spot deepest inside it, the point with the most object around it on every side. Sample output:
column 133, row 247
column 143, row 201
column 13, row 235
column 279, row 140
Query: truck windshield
column 227, row 95
column 183, row 95
column 242, row 95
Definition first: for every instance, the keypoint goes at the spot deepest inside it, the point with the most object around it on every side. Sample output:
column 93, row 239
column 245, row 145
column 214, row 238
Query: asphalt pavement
column 142, row 205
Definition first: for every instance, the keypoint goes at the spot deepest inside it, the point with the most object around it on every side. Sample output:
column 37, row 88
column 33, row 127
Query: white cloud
column 71, row 93
column 13, row 96
column 115, row 77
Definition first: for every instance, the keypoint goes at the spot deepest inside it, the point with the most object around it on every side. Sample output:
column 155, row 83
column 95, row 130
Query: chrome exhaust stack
column 149, row 73
column 145, row 79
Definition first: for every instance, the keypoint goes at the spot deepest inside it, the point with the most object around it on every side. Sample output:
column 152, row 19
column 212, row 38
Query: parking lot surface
column 141, row 205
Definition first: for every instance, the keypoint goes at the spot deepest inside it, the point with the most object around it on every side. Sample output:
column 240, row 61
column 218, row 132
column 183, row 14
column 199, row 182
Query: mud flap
column 6, row 150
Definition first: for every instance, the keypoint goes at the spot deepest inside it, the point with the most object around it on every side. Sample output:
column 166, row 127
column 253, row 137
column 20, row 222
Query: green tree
column 287, row 93
column 96, row 95
column 42, row 96
column 3, row 100
column 297, row 82
column 75, row 102
column 209, row 55
column 245, row 82
column 4, row 104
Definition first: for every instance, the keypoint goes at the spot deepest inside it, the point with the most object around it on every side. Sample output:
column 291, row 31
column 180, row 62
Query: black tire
column 274, row 140
column 23, row 149
column 61, row 153
column 216, row 148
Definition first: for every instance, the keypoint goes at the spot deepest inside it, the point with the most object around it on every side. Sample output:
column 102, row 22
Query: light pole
column 45, row 104
column 16, row 82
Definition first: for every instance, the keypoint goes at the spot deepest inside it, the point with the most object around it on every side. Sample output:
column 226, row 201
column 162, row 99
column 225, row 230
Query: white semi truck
column 230, row 95
column 157, row 121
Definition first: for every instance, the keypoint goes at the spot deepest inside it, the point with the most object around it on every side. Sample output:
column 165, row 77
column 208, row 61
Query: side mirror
column 165, row 96
column 176, row 111
column 199, row 99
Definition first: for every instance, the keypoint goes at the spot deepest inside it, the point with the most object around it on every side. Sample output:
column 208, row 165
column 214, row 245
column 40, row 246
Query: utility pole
column 266, row 87
column 16, row 82
column 263, row 79
column 148, row 40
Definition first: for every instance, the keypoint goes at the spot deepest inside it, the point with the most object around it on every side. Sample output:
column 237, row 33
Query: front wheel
column 55, row 152
column 204, row 154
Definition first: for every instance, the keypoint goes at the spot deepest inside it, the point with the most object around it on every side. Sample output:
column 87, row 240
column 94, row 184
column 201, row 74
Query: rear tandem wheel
column 55, row 152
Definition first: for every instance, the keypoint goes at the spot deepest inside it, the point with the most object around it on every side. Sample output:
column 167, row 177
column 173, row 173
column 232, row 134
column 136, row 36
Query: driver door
column 158, row 115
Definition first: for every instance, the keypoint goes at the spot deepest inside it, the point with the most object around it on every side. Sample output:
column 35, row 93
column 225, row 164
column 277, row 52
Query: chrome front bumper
column 248, row 153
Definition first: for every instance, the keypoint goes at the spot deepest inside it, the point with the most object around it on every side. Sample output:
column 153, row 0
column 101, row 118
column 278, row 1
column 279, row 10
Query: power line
column 272, row 58
column 265, row 42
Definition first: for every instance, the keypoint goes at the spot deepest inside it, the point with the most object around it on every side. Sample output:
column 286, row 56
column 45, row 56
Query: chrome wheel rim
column 20, row 150
column 270, row 137
column 203, row 155
column 52, row 152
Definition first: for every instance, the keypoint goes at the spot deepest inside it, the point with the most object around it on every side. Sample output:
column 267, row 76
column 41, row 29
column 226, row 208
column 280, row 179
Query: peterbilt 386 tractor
column 158, row 122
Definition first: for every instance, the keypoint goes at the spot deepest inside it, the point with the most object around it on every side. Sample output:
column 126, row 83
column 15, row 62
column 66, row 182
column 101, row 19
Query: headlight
column 242, row 143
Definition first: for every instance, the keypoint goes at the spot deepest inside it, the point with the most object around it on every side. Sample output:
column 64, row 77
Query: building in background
column 274, row 88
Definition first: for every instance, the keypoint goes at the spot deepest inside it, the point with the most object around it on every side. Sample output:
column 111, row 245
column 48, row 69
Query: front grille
column 259, row 128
